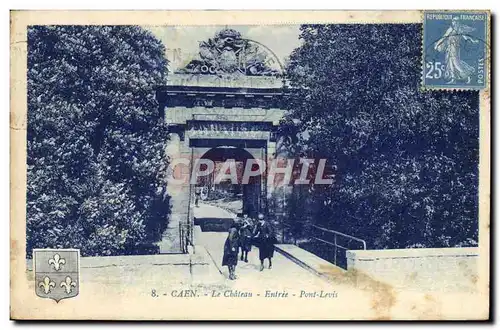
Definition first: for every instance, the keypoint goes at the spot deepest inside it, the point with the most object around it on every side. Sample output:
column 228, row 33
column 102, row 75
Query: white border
column 198, row 4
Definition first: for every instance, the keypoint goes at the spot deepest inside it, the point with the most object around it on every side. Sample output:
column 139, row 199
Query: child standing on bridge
column 197, row 195
column 230, row 258
column 246, row 233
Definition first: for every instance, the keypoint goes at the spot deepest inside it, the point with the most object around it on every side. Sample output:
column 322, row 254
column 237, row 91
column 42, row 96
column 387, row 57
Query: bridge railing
column 183, row 238
column 326, row 243
column 336, row 234
column 186, row 236
column 335, row 244
column 186, row 229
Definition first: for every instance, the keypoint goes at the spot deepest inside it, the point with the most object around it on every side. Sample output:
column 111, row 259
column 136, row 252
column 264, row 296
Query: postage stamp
column 234, row 167
column 455, row 50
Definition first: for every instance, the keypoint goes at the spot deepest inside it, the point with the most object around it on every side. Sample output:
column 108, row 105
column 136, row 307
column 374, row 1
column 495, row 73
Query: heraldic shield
column 56, row 273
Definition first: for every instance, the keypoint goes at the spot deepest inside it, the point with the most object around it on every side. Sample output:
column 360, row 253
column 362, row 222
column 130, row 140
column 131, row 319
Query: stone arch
column 251, row 196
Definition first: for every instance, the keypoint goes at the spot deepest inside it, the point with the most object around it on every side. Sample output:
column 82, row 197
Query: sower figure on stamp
column 456, row 68
column 246, row 233
column 230, row 258
column 264, row 234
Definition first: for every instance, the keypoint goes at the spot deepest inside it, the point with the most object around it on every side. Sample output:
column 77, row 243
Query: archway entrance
column 225, row 188
column 213, row 104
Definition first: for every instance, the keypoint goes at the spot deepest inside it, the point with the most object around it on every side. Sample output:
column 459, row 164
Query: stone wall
column 445, row 269
column 179, row 198
column 147, row 271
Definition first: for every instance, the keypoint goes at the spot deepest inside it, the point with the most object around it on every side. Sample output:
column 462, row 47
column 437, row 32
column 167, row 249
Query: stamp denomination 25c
column 455, row 46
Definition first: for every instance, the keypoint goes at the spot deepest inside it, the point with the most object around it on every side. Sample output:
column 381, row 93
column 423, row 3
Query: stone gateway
column 224, row 104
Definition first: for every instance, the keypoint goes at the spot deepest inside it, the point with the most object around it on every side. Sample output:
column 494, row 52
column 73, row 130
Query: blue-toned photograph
column 234, row 155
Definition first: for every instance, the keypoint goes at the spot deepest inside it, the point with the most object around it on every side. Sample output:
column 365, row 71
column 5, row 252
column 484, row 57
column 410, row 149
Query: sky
column 182, row 42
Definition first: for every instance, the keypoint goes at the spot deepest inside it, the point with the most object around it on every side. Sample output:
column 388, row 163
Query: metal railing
column 186, row 236
column 186, row 229
column 183, row 238
column 339, row 241
column 323, row 242
column 362, row 241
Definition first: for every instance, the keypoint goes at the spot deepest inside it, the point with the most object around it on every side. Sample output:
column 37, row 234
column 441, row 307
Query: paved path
column 286, row 277
column 285, row 274
column 210, row 211
column 249, row 273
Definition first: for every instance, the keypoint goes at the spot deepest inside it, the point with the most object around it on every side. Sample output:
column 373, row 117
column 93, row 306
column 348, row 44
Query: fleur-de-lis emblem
column 68, row 285
column 46, row 284
column 57, row 261
column 57, row 273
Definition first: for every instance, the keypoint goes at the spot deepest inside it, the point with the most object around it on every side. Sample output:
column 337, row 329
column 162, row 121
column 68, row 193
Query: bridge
column 227, row 103
column 212, row 233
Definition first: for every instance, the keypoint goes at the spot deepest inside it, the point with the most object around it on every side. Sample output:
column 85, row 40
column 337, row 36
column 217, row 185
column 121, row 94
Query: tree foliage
column 95, row 139
column 406, row 159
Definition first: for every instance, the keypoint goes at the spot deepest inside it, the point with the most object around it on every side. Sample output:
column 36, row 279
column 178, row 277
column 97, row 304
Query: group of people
column 243, row 233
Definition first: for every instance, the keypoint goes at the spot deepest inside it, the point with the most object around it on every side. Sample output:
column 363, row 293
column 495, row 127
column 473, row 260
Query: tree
column 407, row 160
column 95, row 139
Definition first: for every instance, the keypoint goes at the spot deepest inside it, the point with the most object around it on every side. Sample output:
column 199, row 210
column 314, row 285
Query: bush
column 407, row 160
column 95, row 139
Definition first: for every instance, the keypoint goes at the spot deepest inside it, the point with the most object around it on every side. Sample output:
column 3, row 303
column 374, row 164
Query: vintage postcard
column 250, row 165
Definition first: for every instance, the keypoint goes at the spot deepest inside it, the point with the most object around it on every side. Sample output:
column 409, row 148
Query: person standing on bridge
column 246, row 233
column 197, row 195
column 230, row 257
column 264, row 234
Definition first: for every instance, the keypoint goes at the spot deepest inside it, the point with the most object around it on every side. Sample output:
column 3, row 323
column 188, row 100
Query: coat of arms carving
column 229, row 53
column 56, row 273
